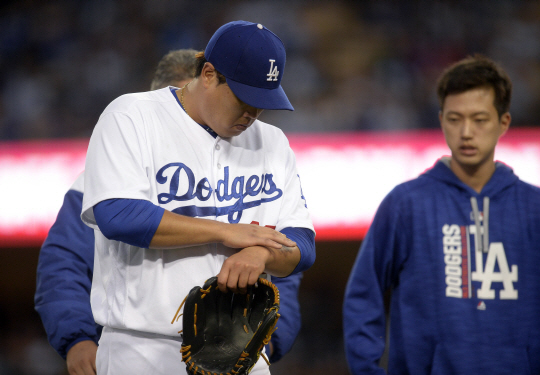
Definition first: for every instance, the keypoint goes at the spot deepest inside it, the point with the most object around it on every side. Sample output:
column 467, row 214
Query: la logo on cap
column 274, row 73
column 252, row 59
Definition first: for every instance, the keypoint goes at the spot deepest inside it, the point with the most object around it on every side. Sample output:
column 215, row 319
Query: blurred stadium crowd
column 352, row 65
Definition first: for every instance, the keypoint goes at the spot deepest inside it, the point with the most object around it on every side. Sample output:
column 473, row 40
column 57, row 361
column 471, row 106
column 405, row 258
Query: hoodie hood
column 502, row 178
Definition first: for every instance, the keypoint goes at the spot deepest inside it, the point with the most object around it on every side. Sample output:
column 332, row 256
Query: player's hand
column 242, row 269
column 81, row 358
column 241, row 236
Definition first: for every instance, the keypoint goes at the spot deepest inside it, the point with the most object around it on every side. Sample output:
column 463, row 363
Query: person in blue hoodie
column 459, row 248
column 66, row 264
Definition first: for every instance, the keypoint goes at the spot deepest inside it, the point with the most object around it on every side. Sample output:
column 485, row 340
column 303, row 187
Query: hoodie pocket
column 466, row 357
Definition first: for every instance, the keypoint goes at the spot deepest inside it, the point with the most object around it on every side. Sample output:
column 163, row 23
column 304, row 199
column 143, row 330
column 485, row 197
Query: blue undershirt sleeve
column 133, row 221
column 305, row 240
column 289, row 323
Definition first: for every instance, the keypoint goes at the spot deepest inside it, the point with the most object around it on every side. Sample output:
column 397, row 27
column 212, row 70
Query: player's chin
column 239, row 129
column 469, row 161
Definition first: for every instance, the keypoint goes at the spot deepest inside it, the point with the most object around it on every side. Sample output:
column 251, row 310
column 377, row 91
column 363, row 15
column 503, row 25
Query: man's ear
column 208, row 74
column 505, row 121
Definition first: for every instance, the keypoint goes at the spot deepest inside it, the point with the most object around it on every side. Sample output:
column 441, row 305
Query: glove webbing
column 177, row 316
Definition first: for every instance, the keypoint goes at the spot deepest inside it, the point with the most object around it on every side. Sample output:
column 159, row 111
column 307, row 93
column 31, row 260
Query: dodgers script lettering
column 238, row 191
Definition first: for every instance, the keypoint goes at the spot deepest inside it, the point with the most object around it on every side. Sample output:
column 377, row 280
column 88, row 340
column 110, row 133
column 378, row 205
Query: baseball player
column 458, row 246
column 183, row 184
column 66, row 265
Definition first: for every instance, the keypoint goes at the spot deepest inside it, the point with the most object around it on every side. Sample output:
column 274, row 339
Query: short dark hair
column 175, row 66
column 200, row 61
column 474, row 72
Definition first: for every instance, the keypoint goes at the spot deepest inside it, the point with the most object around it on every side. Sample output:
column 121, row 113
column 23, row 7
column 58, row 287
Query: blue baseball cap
column 252, row 59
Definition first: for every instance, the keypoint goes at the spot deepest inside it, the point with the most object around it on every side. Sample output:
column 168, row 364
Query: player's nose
column 467, row 129
column 252, row 112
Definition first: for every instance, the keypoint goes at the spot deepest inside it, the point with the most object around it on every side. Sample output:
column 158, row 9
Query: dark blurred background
column 351, row 66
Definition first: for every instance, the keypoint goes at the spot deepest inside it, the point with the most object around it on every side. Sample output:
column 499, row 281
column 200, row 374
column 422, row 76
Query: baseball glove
column 225, row 333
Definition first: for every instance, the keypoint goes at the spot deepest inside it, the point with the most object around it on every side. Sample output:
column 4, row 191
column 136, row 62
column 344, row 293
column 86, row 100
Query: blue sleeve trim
column 64, row 277
column 133, row 221
column 305, row 240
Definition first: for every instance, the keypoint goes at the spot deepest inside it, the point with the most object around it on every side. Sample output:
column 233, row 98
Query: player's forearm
column 177, row 230
column 143, row 224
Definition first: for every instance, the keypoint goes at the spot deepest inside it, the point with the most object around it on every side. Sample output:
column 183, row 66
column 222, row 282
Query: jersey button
column 217, row 147
column 219, row 166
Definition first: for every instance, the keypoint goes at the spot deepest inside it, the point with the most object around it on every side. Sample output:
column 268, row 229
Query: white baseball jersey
column 144, row 146
column 78, row 185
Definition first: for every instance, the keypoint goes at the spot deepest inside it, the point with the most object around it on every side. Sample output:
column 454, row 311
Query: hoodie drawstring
column 486, row 224
column 482, row 239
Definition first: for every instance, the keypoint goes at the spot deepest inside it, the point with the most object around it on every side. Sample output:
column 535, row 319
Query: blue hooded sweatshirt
column 464, row 272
